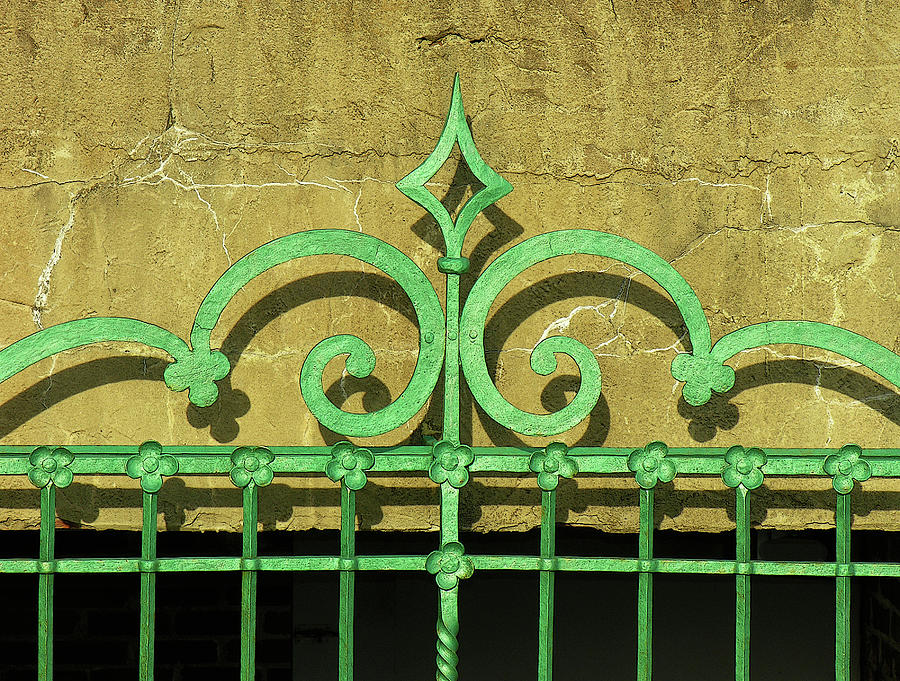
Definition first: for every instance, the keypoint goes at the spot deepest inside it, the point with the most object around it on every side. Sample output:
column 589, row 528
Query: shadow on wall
column 81, row 503
column 222, row 418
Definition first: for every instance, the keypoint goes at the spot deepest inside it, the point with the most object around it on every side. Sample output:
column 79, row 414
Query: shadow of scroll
column 600, row 285
column 554, row 397
column 72, row 381
column 222, row 417
column 721, row 414
column 375, row 396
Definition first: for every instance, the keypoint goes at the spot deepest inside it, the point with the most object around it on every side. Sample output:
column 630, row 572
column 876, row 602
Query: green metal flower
column 449, row 565
column 197, row 372
column 51, row 466
column 150, row 465
column 451, row 462
column 744, row 467
column 251, row 464
column 701, row 375
column 551, row 464
column 650, row 465
column 846, row 466
column 349, row 463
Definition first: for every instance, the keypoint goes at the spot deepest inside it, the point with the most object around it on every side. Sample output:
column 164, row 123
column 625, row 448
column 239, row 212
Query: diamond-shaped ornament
column 456, row 130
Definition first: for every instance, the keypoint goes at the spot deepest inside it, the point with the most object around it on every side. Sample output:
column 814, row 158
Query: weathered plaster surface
column 146, row 146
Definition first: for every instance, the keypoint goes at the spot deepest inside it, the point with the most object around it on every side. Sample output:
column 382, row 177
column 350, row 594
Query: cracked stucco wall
column 145, row 146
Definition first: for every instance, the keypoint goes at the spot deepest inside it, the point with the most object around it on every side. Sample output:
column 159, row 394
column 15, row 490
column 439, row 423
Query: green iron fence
column 450, row 339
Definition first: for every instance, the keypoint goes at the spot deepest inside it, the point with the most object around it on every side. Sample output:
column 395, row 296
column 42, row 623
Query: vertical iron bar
column 451, row 362
column 742, row 586
column 248, row 584
column 45, row 583
column 148, row 588
column 547, row 585
column 447, row 630
column 448, row 615
column 347, row 583
column 645, row 587
column 449, row 513
column 842, row 590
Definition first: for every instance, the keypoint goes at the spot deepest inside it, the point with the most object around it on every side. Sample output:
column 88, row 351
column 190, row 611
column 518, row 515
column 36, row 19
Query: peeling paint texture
column 145, row 146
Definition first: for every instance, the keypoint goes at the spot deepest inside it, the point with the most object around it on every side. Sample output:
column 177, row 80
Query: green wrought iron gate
column 452, row 340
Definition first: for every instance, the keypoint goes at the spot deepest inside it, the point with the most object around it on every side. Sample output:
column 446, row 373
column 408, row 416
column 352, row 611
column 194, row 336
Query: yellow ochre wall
column 145, row 146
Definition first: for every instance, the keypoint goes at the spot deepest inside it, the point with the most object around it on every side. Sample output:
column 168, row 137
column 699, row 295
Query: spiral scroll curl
column 197, row 367
column 543, row 358
column 360, row 357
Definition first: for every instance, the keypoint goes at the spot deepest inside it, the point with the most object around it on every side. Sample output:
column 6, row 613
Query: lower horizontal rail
column 417, row 563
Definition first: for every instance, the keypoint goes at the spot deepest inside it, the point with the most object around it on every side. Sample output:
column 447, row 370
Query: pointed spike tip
column 456, row 94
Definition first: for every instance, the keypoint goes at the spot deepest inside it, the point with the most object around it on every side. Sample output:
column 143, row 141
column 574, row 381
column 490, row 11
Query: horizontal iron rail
column 696, row 566
column 216, row 460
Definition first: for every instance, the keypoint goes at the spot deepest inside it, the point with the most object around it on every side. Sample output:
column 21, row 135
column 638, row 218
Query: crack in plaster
column 43, row 284
column 766, row 207
column 34, row 172
column 49, row 379
column 341, row 183
column 180, row 140
column 821, row 366
column 703, row 183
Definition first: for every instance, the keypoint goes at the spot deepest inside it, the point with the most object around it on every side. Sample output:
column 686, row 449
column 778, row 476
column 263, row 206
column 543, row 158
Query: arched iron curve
column 454, row 340
column 197, row 367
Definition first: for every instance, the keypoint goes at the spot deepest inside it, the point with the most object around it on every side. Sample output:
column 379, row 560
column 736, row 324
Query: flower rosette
column 845, row 467
column 650, row 465
column 150, row 465
column 551, row 464
column 743, row 467
column 251, row 465
column 450, row 463
column 449, row 564
column 51, row 466
column 349, row 463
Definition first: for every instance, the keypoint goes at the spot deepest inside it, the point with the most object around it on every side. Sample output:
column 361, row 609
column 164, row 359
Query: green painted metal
column 347, row 582
column 452, row 340
column 146, row 647
column 842, row 590
column 742, row 586
column 456, row 131
column 645, row 584
column 546, row 586
column 45, row 583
